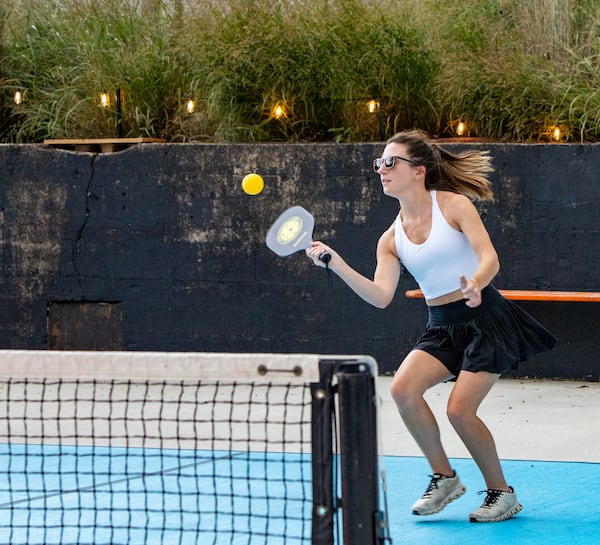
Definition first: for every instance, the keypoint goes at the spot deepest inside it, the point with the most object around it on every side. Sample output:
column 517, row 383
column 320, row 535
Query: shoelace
column 491, row 498
column 435, row 479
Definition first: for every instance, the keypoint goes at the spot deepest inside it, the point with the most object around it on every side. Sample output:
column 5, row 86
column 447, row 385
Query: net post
column 322, row 456
column 358, row 452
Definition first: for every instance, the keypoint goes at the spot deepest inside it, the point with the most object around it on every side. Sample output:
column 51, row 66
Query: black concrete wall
column 165, row 232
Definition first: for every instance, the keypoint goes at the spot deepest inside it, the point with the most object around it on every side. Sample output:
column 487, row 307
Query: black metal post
column 359, row 464
column 322, row 457
column 381, row 121
column 118, row 127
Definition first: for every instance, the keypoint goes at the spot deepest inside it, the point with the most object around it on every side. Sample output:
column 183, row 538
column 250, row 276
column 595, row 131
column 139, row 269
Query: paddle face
column 291, row 232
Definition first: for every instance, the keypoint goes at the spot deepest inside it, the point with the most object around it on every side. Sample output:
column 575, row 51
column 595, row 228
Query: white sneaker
column 440, row 492
column 497, row 506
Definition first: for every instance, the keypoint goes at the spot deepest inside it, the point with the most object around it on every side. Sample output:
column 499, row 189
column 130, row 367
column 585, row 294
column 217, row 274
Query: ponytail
column 465, row 173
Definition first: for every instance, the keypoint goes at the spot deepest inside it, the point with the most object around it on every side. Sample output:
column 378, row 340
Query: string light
column 373, row 106
column 278, row 111
column 190, row 106
column 104, row 99
column 556, row 134
column 461, row 128
column 18, row 98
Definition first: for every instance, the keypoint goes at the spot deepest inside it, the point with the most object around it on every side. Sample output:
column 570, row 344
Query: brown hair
column 465, row 173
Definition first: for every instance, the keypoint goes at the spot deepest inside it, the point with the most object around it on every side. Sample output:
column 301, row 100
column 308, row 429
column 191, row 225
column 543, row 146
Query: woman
column 473, row 333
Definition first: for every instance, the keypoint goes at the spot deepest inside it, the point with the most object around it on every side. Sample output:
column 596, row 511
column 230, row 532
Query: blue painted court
column 559, row 500
column 557, row 497
column 118, row 495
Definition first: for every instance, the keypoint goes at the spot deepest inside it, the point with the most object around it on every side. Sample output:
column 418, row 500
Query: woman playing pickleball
column 473, row 334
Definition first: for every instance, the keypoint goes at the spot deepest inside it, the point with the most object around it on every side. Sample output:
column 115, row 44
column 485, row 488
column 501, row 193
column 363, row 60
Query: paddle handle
column 325, row 258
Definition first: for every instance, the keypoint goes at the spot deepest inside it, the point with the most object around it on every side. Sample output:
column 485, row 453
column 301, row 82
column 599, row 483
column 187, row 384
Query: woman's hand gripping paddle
column 292, row 232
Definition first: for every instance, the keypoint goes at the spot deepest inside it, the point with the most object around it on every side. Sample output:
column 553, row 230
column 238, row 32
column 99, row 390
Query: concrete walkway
column 530, row 420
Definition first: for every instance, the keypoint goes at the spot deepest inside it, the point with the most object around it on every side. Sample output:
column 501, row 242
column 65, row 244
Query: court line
column 118, row 481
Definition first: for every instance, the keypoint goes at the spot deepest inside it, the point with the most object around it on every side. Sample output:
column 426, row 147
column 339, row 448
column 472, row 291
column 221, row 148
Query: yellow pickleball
column 253, row 184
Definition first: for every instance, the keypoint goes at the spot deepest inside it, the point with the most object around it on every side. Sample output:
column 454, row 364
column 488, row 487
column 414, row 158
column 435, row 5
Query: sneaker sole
column 506, row 515
column 454, row 496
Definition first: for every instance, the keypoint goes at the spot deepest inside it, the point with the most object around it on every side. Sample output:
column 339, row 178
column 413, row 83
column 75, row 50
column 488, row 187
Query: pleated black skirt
column 496, row 336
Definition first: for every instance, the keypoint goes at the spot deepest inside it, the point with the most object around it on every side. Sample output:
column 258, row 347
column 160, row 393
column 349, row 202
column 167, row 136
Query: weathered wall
column 166, row 231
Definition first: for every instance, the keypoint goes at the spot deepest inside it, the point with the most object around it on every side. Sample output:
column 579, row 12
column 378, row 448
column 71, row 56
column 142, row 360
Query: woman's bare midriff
column 451, row 297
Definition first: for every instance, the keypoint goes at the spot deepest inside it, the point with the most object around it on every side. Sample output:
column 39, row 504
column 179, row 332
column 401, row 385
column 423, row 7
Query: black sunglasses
column 390, row 162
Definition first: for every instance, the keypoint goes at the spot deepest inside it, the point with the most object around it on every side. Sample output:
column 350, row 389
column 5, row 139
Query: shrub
column 511, row 69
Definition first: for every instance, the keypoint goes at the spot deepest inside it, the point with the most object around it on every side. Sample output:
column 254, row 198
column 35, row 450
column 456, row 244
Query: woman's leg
column 464, row 401
column 501, row 502
column 419, row 372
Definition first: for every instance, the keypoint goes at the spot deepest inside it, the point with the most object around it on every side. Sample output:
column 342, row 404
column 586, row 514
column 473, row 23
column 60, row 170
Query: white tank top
column 437, row 263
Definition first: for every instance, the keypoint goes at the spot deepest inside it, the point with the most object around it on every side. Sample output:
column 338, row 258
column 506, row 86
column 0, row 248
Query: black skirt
column 495, row 336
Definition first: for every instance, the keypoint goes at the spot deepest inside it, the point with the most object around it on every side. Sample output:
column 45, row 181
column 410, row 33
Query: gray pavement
column 530, row 420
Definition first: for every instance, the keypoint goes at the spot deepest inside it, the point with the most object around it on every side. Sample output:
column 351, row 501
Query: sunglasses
column 390, row 162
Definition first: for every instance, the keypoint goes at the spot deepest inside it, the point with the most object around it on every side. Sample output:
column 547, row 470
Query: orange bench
column 535, row 295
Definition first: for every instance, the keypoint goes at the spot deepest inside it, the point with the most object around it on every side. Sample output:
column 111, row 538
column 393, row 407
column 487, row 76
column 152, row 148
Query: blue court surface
column 113, row 496
column 561, row 504
column 547, row 434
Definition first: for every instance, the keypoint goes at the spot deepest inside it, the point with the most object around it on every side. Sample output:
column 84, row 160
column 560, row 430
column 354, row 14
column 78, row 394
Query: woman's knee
column 407, row 391
column 401, row 390
column 418, row 372
column 454, row 413
column 466, row 397
column 459, row 415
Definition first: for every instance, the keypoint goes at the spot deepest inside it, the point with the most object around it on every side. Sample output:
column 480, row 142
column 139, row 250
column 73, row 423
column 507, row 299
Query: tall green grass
column 322, row 61
column 509, row 69
column 514, row 68
column 63, row 54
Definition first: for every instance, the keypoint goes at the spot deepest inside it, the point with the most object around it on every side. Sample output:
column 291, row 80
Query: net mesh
column 138, row 460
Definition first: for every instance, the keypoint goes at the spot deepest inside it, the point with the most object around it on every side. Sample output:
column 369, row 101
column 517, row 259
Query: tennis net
column 204, row 448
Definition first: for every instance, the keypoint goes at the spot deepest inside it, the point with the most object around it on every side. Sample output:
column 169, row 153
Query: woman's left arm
column 463, row 215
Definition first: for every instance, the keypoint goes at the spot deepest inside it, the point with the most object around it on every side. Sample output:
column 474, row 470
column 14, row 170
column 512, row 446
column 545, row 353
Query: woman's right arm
column 378, row 292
